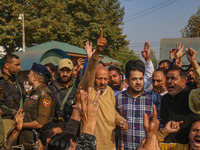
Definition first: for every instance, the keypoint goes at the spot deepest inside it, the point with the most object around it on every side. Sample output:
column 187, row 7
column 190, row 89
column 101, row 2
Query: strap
column 66, row 97
column 6, row 107
column 20, row 90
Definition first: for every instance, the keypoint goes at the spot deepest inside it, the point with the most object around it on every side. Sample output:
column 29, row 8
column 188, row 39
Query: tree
column 124, row 55
column 153, row 58
column 192, row 29
column 73, row 21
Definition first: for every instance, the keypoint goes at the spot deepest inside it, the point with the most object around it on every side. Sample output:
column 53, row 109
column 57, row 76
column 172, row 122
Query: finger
column 101, row 33
column 182, row 48
column 96, row 99
column 89, row 96
column 146, row 122
column 154, row 119
column 122, row 147
column 180, row 122
column 90, row 44
column 83, row 103
column 183, row 54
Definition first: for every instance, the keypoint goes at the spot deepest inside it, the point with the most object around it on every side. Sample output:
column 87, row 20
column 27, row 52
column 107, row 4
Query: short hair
column 47, row 132
column 182, row 73
column 9, row 58
column 115, row 68
column 61, row 141
column 41, row 78
column 165, row 61
column 133, row 65
column 51, row 67
column 161, row 70
column 75, row 63
column 101, row 62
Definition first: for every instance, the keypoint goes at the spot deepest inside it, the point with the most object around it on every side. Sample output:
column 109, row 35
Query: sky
column 152, row 20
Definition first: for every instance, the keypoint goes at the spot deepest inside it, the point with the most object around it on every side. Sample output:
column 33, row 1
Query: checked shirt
column 132, row 109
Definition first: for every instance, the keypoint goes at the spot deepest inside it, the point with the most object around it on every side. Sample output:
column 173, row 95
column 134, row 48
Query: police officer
column 38, row 105
column 64, row 90
column 12, row 92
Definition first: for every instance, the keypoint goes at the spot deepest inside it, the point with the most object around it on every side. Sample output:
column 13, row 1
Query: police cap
column 40, row 69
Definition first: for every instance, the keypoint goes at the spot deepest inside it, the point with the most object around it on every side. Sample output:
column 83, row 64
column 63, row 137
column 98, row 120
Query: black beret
column 40, row 69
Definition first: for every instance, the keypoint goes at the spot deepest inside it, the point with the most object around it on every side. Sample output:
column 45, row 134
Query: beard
column 116, row 87
column 102, row 90
column 65, row 80
column 136, row 90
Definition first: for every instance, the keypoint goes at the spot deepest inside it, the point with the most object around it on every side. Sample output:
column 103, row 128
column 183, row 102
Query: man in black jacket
column 64, row 90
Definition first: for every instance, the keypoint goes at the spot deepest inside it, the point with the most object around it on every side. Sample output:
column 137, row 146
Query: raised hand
column 101, row 42
column 191, row 55
column 80, row 61
column 172, row 54
column 179, row 51
column 172, row 127
column 146, row 52
column 89, row 110
column 1, row 112
column 88, row 49
column 18, row 120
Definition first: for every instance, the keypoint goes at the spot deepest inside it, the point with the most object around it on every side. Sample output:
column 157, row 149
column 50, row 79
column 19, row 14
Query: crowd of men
column 82, row 104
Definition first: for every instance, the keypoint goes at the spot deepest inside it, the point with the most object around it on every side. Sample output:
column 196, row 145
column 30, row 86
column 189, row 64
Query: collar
column 7, row 77
column 144, row 92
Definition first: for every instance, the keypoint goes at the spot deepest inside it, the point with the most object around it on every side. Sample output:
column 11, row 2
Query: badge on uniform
column 35, row 97
column 43, row 92
column 46, row 103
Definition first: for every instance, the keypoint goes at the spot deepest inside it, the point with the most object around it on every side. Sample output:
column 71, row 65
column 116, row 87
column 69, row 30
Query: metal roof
column 58, row 45
column 28, row 57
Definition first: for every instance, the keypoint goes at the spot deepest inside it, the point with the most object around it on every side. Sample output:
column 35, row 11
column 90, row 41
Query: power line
column 150, row 11
column 147, row 9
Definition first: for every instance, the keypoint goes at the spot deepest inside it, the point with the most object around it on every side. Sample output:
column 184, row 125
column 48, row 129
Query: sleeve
column 194, row 97
column 8, row 144
column 86, row 142
column 2, row 132
column 71, row 126
column 149, row 69
column 45, row 108
column 157, row 102
column 161, row 136
column 89, row 75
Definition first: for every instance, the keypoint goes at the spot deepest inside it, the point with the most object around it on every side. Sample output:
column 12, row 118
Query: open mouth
column 170, row 88
column 197, row 142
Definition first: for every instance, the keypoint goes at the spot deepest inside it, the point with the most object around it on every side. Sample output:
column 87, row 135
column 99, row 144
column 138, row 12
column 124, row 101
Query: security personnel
column 64, row 90
column 12, row 91
column 38, row 105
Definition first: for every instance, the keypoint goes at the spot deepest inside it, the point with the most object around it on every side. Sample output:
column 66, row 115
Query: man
column 192, row 82
column 159, row 82
column 38, row 105
column 12, row 138
column 194, row 136
column 51, row 69
column 11, row 90
column 164, row 64
column 115, row 79
column 179, row 103
column 64, row 90
column 134, row 102
column 97, row 77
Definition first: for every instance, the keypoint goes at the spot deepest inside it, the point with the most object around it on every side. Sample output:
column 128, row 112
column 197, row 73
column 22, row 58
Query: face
column 159, row 82
column 75, row 71
column 14, row 66
column 194, row 136
column 175, row 84
column 101, row 80
column 136, row 81
column 31, row 77
column 191, row 77
column 164, row 66
column 65, row 74
column 115, row 80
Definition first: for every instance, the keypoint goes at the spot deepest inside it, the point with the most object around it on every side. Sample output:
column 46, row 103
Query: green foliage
column 193, row 27
column 124, row 55
column 153, row 58
column 73, row 21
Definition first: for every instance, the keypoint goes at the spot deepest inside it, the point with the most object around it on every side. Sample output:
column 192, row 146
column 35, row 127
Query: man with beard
column 192, row 82
column 159, row 82
column 64, row 90
column 115, row 79
column 134, row 102
column 97, row 76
